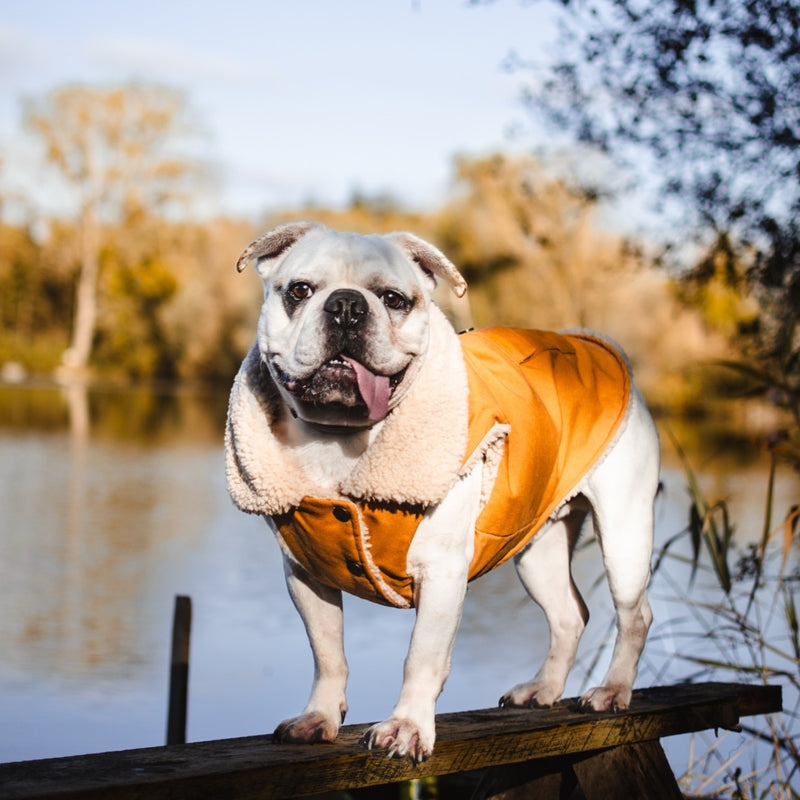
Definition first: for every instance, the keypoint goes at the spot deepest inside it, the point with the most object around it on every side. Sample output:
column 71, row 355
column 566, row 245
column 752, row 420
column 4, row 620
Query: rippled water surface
column 114, row 502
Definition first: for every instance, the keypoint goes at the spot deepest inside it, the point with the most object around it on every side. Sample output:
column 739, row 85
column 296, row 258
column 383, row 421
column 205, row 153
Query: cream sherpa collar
column 415, row 458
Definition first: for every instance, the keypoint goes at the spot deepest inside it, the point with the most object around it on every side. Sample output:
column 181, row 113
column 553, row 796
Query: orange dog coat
column 559, row 400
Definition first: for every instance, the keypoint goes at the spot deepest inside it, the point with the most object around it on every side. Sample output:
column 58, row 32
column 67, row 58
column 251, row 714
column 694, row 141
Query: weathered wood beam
column 619, row 773
column 254, row 767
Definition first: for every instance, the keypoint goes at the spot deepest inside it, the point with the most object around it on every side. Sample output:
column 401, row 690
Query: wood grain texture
column 255, row 767
column 627, row 771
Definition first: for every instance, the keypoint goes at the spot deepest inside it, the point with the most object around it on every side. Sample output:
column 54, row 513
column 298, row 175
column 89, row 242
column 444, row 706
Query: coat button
column 341, row 513
column 354, row 567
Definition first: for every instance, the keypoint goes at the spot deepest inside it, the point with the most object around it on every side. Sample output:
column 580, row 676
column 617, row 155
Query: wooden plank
column 254, row 767
column 630, row 770
column 549, row 786
column 543, row 779
column 619, row 773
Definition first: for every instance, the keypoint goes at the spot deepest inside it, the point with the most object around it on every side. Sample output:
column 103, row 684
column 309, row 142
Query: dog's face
column 344, row 323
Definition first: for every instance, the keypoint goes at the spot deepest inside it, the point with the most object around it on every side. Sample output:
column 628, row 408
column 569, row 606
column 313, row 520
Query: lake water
column 114, row 502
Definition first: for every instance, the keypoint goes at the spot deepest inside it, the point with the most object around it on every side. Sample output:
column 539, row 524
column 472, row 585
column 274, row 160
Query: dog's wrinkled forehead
column 348, row 259
column 306, row 245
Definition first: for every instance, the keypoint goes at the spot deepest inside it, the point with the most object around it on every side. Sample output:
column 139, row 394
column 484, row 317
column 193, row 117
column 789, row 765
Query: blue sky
column 297, row 99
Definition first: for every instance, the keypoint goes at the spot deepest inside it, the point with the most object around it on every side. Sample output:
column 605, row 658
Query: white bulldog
column 397, row 461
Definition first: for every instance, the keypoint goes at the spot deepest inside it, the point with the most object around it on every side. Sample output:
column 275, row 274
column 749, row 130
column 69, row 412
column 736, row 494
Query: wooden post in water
column 179, row 670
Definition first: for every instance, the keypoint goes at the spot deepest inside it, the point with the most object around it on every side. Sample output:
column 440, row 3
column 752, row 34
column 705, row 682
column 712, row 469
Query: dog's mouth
column 346, row 382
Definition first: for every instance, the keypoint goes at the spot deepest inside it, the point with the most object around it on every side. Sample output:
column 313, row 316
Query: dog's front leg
column 438, row 560
column 410, row 730
column 321, row 610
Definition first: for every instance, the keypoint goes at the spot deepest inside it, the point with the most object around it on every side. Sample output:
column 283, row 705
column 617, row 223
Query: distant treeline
column 170, row 306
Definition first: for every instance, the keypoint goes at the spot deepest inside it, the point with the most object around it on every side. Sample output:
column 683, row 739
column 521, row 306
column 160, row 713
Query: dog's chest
column 326, row 460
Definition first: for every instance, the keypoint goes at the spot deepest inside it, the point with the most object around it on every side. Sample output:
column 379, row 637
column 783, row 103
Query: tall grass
column 742, row 626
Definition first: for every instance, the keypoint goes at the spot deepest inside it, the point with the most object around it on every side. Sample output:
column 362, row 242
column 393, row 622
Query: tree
column 534, row 253
column 527, row 243
column 702, row 97
column 117, row 151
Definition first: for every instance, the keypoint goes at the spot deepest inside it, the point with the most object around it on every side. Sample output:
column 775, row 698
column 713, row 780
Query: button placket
column 344, row 515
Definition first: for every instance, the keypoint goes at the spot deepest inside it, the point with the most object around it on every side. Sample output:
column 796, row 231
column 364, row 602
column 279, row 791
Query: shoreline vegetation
column 170, row 307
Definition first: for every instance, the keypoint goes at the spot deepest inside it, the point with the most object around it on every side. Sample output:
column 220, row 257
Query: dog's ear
column 431, row 261
column 272, row 244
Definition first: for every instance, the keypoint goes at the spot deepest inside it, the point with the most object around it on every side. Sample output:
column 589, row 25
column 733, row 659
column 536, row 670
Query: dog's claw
column 400, row 738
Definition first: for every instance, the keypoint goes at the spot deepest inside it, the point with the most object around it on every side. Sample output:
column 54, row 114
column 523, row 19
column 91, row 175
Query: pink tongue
column 374, row 390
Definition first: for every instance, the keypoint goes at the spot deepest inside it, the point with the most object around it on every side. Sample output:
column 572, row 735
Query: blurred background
column 625, row 165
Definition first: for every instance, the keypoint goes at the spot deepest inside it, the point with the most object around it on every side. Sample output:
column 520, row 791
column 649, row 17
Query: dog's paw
column 400, row 738
column 534, row 694
column 307, row 729
column 614, row 697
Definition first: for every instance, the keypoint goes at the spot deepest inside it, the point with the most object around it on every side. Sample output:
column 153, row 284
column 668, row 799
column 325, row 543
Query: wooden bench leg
column 624, row 772
column 544, row 779
column 627, row 771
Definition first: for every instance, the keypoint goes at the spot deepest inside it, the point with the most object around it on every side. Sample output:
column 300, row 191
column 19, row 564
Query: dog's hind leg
column 627, row 563
column 622, row 491
column 544, row 569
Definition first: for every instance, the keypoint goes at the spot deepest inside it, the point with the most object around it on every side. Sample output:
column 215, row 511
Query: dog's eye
column 394, row 300
column 299, row 291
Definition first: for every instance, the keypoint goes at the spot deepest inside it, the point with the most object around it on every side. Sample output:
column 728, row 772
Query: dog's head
column 344, row 323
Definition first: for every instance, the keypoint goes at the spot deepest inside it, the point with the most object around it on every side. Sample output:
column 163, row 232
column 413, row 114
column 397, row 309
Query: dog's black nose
column 346, row 307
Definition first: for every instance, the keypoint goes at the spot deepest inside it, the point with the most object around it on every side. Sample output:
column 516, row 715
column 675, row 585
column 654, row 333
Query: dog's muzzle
column 347, row 309
column 344, row 386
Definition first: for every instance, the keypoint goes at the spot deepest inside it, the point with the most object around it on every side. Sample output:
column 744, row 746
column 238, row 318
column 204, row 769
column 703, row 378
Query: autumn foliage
column 130, row 283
